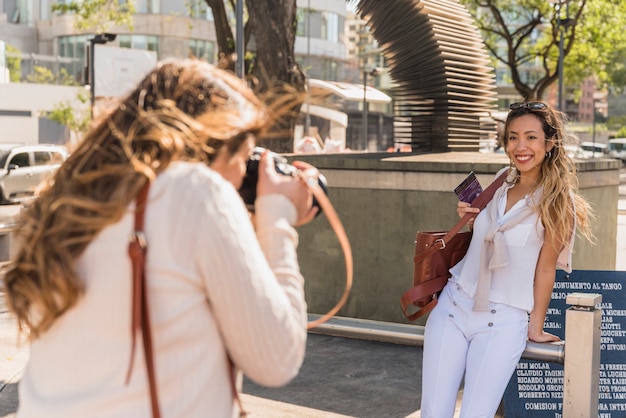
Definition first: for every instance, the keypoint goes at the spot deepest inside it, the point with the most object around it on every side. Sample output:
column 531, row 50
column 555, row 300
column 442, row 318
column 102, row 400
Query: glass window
column 198, row 9
column 139, row 42
column 301, row 17
column 324, row 26
column 125, row 41
column 20, row 160
column 44, row 9
column 42, row 157
column 73, row 47
column 150, row 43
column 204, row 50
column 25, row 8
column 153, row 43
column 141, row 6
column 331, row 23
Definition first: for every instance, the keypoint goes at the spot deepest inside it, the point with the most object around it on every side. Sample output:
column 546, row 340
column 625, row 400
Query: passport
column 468, row 189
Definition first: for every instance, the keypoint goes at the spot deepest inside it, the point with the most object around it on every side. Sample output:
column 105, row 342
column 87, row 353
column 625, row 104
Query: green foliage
column 526, row 33
column 43, row 75
column 98, row 15
column 76, row 120
column 616, row 122
column 600, row 48
column 621, row 133
column 14, row 64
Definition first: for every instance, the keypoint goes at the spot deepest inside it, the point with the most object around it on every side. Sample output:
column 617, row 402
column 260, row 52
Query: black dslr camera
column 248, row 187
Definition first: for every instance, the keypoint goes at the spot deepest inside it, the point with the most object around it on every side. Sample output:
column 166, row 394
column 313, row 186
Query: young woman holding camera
column 499, row 292
column 222, row 293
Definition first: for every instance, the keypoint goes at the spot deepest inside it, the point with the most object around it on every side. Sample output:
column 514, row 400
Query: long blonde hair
column 182, row 110
column 557, row 177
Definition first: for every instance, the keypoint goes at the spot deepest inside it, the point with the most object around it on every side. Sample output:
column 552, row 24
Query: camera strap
column 334, row 221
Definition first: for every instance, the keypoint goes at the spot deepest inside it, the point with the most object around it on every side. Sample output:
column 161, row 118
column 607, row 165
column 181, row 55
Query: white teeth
column 523, row 158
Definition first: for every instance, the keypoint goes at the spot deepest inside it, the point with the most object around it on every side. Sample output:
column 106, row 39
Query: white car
column 24, row 167
column 617, row 148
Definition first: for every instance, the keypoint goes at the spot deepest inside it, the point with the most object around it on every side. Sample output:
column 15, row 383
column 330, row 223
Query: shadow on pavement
column 352, row 377
column 8, row 406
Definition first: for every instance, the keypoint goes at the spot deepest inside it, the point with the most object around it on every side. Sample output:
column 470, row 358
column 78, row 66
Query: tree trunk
column 273, row 24
column 225, row 38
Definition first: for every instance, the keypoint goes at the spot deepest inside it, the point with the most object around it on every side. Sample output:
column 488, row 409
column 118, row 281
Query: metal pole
column 593, row 129
column 92, row 74
column 364, row 121
column 413, row 335
column 307, row 119
column 581, row 372
column 239, row 64
column 561, row 49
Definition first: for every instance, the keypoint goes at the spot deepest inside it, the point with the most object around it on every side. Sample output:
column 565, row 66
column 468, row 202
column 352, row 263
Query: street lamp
column 100, row 38
column 307, row 119
column 374, row 72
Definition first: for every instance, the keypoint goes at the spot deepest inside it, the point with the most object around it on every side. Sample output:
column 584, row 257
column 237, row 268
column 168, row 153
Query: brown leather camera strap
column 140, row 318
column 333, row 219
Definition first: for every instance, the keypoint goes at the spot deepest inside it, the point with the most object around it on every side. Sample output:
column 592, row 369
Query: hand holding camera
column 269, row 173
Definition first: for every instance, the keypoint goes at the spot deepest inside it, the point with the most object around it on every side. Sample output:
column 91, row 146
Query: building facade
column 34, row 36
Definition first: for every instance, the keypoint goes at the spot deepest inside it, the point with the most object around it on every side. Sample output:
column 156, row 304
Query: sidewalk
column 343, row 377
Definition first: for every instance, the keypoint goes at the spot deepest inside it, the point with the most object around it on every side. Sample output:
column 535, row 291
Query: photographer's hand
column 294, row 188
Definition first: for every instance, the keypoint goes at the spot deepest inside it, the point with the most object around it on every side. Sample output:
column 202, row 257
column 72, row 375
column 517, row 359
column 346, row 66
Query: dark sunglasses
column 528, row 105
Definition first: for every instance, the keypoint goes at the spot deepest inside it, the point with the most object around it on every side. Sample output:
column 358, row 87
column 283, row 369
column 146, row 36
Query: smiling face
column 527, row 145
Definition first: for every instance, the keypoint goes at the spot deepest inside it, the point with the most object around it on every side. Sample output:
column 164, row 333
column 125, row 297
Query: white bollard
column 582, row 355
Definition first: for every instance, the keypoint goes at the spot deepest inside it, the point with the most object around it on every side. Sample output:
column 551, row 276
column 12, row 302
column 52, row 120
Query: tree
column 526, row 33
column 43, row 75
column 76, row 119
column 98, row 15
column 273, row 67
column 14, row 63
column 271, row 24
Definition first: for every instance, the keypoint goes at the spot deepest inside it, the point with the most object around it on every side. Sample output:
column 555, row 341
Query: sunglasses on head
column 528, row 105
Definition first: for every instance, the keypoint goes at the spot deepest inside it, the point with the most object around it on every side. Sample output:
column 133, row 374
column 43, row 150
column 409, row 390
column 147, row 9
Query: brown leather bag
column 435, row 253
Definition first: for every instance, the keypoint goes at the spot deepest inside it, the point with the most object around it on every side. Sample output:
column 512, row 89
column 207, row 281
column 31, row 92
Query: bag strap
column 431, row 287
column 479, row 202
column 140, row 315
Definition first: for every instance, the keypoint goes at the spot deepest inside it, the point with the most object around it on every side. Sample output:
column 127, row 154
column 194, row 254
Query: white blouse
column 513, row 283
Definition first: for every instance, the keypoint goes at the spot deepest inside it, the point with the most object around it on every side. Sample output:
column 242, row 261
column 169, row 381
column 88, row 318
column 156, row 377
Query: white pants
column 485, row 346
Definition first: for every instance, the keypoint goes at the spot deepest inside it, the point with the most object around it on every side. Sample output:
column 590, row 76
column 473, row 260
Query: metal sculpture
column 446, row 86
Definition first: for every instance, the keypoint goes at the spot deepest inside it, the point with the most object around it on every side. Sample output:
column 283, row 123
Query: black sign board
column 536, row 388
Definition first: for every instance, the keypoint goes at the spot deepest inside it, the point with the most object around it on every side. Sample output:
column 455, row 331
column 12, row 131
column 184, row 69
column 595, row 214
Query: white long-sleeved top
column 213, row 288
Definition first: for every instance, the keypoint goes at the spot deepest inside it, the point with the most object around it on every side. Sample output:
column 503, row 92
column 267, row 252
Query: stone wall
column 383, row 199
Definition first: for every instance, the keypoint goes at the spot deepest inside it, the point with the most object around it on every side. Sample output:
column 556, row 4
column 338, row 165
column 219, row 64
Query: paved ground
column 344, row 377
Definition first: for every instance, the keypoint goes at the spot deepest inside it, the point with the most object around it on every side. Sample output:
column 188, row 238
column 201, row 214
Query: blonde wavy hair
column 182, row 110
column 558, row 176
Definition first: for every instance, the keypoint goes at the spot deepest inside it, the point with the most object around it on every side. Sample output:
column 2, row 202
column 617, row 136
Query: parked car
column 593, row 150
column 617, row 148
column 574, row 151
column 24, row 167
